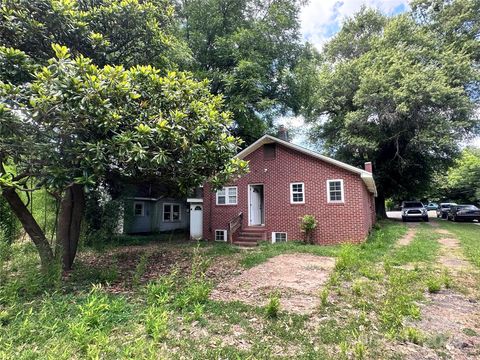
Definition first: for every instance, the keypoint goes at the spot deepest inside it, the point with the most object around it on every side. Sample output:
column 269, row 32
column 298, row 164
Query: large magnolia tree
column 71, row 124
column 128, row 33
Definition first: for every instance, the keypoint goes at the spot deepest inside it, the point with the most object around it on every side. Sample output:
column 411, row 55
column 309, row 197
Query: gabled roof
column 366, row 176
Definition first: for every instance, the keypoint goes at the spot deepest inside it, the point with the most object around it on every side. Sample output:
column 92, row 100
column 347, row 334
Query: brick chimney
column 368, row 167
column 282, row 133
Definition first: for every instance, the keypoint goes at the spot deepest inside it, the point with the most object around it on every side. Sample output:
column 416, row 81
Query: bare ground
column 296, row 278
column 160, row 260
column 408, row 237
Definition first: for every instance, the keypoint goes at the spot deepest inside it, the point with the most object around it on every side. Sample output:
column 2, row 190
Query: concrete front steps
column 249, row 237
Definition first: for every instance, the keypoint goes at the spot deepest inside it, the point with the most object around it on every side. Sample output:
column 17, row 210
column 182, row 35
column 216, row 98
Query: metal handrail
column 234, row 225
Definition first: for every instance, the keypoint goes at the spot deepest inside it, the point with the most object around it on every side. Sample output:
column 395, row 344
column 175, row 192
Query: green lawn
column 364, row 306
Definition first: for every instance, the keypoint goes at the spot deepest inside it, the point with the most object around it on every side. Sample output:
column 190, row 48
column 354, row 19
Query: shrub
column 273, row 307
column 308, row 225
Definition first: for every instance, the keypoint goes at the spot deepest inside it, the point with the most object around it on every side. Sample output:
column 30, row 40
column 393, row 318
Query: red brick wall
column 346, row 222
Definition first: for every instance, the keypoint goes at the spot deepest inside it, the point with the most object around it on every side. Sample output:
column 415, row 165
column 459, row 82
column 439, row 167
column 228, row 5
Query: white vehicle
column 414, row 210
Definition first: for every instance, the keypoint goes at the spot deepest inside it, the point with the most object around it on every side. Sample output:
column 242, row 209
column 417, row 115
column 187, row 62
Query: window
column 220, row 235
column 269, row 151
column 171, row 212
column 227, row 196
column 279, row 237
column 297, row 193
column 335, row 191
column 138, row 208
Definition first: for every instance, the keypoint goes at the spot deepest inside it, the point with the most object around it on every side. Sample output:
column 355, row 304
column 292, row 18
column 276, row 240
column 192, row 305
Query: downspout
column 210, row 212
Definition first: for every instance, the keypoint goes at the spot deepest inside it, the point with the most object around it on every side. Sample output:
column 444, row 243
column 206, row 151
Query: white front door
column 255, row 205
column 196, row 221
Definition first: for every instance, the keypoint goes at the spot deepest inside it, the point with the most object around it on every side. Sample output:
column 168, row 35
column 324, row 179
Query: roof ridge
column 365, row 175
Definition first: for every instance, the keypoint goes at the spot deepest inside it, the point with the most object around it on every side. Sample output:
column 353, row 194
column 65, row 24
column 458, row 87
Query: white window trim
column 341, row 189
column 171, row 212
column 224, row 235
column 226, row 188
column 135, row 203
column 291, row 193
column 274, row 240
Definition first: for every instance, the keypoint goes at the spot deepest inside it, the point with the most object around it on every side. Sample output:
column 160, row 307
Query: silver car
column 414, row 210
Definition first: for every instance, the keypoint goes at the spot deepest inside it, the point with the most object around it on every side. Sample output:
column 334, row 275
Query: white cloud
column 320, row 19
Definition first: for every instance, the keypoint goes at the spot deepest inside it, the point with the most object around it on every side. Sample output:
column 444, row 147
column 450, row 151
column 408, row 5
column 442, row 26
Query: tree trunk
column 69, row 224
column 31, row 227
column 380, row 205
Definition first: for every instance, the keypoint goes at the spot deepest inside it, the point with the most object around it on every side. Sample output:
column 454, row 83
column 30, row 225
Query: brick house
column 285, row 182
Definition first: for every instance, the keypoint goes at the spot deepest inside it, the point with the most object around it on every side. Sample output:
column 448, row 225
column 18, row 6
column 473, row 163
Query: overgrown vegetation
column 369, row 299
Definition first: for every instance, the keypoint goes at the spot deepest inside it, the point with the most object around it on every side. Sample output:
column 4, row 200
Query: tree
column 456, row 23
column 249, row 49
column 109, row 32
column 76, row 124
column 462, row 181
column 391, row 92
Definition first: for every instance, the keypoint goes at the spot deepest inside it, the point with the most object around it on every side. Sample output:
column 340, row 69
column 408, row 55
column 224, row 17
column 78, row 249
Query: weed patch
column 273, row 307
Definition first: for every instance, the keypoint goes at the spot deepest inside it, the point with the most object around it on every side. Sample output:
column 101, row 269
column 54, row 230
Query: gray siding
column 152, row 219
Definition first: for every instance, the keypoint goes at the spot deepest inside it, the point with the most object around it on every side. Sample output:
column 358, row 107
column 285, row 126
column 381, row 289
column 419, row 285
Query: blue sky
column 321, row 19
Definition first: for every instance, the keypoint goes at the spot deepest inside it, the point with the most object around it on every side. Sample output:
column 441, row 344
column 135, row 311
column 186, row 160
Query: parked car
column 443, row 210
column 414, row 210
column 432, row 206
column 464, row 212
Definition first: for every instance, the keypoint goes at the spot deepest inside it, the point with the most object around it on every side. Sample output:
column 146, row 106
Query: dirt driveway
column 449, row 316
column 296, row 278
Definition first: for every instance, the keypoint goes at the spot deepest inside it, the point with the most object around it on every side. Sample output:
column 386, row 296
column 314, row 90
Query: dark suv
column 414, row 210
column 443, row 209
